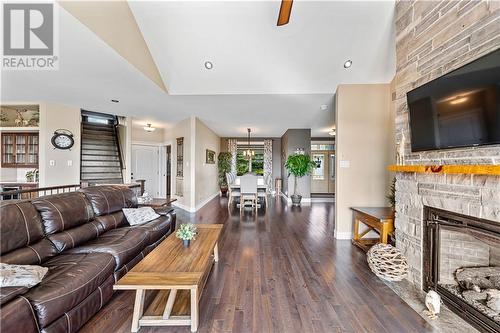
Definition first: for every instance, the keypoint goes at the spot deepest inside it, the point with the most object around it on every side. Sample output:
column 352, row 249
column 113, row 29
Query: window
column 322, row 147
column 332, row 166
column 319, row 171
column 242, row 165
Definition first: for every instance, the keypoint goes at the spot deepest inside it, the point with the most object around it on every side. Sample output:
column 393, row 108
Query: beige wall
column 365, row 142
column 139, row 135
column 206, row 184
column 52, row 117
column 199, row 183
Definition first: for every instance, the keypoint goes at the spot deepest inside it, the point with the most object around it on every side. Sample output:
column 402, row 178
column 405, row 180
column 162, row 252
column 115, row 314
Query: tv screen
column 459, row 109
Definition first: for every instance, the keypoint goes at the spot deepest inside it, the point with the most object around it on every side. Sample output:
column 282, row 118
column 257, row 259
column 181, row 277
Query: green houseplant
column 224, row 166
column 186, row 232
column 298, row 165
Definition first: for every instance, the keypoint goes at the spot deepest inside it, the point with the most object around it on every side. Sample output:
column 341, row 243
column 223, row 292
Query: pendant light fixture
column 248, row 153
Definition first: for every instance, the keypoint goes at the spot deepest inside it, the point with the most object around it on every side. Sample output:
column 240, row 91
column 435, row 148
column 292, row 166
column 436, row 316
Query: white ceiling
column 251, row 55
column 266, row 78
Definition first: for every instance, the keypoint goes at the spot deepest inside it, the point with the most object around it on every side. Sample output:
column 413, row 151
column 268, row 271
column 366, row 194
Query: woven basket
column 387, row 262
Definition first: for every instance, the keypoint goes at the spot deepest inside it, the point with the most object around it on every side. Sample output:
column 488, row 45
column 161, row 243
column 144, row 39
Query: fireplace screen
column 462, row 263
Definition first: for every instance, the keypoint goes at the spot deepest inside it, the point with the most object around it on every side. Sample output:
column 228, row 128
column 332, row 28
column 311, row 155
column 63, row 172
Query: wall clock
column 62, row 139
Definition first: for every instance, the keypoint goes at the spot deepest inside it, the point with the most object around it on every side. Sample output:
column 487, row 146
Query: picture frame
column 210, row 157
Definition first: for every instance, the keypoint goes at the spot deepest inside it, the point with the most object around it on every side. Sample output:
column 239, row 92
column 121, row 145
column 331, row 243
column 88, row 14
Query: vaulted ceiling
column 266, row 77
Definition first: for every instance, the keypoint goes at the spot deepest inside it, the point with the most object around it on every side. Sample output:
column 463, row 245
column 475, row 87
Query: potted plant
column 298, row 165
column 32, row 176
column 224, row 166
column 186, row 232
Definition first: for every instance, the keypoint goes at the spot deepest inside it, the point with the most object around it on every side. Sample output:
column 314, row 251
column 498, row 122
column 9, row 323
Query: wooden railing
column 44, row 191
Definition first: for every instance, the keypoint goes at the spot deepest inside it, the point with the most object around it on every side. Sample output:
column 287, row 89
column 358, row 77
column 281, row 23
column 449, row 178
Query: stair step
column 97, row 132
column 99, row 147
column 105, row 181
column 88, row 163
column 103, row 169
column 100, row 175
column 100, row 158
column 99, row 142
column 86, row 151
column 94, row 125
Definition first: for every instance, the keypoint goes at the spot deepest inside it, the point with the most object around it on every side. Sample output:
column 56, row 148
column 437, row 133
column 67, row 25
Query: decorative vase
column 186, row 242
column 296, row 198
column 223, row 190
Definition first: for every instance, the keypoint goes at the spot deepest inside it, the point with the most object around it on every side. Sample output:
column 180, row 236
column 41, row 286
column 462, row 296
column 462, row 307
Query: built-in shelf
column 449, row 169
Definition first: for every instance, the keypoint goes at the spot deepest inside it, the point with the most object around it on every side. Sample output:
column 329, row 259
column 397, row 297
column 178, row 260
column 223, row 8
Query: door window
column 319, row 170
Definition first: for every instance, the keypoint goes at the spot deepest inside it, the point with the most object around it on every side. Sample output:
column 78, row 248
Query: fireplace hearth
column 462, row 263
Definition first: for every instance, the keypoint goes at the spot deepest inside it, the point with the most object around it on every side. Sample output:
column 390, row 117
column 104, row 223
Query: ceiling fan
column 285, row 11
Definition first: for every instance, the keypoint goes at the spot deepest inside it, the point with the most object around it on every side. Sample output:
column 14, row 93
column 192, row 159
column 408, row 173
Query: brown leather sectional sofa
column 87, row 244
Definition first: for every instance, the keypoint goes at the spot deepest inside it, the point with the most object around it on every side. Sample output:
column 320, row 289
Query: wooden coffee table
column 173, row 267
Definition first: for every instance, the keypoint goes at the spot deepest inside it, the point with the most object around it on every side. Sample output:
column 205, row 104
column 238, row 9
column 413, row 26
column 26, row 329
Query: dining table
column 260, row 184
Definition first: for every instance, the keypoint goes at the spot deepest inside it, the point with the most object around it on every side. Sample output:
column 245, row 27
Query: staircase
column 100, row 154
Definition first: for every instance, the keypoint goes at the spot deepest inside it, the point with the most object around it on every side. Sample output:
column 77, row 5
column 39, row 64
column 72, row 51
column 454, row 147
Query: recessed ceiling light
column 209, row 65
column 115, row 101
column 324, row 107
column 348, row 64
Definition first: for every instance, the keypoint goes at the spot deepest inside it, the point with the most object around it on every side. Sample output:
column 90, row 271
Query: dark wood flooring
column 281, row 272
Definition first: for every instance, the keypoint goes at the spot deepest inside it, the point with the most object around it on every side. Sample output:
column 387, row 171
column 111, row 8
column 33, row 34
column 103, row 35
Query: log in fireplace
column 462, row 264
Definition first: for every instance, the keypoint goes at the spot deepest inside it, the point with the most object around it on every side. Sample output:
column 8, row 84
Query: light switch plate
column 70, row 163
column 52, row 162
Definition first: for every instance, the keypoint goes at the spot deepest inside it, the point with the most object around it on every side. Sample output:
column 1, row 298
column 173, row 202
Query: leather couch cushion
column 18, row 316
column 112, row 221
column 110, row 198
column 63, row 211
column 123, row 244
column 73, row 237
column 157, row 228
column 74, row 319
column 20, row 224
column 8, row 293
column 71, row 278
column 31, row 254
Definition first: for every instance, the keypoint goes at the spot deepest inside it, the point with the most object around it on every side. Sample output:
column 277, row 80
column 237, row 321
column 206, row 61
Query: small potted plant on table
column 224, row 166
column 298, row 165
column 186, row 232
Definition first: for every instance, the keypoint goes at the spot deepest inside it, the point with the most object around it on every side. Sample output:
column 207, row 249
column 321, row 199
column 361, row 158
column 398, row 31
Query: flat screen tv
column 459, row 109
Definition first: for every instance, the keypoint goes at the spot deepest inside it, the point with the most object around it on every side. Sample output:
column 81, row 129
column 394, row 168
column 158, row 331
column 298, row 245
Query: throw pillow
column 21, row 275
column 141, row 215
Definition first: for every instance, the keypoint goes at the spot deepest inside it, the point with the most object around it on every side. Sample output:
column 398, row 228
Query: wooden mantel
column 486, row 169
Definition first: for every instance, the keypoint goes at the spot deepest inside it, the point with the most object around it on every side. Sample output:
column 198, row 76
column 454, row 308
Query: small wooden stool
column 378, row 219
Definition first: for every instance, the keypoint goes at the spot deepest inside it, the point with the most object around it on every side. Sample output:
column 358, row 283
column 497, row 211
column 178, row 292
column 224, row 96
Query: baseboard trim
column 322, row 199
column 191, row 209
column 343, row 235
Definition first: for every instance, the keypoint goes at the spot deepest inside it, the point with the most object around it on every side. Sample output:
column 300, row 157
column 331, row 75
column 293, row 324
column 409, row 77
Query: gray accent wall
column 292, row 140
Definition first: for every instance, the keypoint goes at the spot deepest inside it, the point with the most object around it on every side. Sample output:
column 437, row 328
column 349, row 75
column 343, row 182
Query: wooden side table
column 378, row 219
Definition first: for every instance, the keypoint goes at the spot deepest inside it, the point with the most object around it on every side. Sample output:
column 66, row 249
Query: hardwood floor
column 281, row 272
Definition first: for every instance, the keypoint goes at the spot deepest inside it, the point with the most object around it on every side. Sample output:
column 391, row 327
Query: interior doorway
column 146, row 165
column 323, row 175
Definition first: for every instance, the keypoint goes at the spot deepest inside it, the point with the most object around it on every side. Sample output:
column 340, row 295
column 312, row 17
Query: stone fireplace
column 461, row 261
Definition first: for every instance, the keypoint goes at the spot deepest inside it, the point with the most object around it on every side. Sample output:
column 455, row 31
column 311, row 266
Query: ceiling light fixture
column 209, row 65
column 248, row 153
column 115, row 101
column 332, row 132
column 149, row 128
column 458, row 100
column 348, row 64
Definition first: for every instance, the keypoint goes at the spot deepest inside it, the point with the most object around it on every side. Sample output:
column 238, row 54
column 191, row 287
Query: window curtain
column 268, row 162
column 232, row 148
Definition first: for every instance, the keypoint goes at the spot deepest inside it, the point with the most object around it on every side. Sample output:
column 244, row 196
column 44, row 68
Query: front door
column 323, row 175
column 145, row 165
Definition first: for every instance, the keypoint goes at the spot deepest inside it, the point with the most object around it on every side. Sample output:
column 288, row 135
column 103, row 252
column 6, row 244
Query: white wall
column 206, row 183
column 53, row 117
column 139, row 135
column 365, row 141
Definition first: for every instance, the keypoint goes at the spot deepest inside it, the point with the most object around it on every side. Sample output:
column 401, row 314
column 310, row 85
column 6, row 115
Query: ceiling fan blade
column 285, row 11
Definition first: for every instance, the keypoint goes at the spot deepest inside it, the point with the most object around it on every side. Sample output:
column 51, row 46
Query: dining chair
column 248, row 191
column 233, row 192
